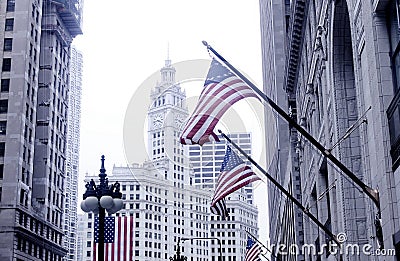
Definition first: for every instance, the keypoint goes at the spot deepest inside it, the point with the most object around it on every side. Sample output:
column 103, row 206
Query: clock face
column 158, row 120
column 179, row 121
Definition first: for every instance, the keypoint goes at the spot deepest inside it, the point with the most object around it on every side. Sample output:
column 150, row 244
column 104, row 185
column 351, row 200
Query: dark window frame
column 10, row 6
column 8, row 44
column 6, row 67
column 393, row 111
column 5, row 85
column 9, row 24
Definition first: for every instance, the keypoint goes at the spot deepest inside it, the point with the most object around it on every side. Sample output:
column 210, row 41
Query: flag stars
column 109, row 228
column 234, row 175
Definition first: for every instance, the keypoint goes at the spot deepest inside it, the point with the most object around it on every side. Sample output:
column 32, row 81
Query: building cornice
column 295, row 39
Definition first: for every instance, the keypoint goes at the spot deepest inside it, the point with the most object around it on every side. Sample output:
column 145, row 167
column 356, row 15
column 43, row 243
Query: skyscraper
column 341, row 71
column 33, row 107
column 285, row 219
column 72, row 161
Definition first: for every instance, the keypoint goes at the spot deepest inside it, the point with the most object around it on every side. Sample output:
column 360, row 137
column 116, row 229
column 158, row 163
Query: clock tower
column 166, row 116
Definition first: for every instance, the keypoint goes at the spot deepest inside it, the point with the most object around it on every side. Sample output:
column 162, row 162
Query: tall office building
column 281, row 140
column 72, row 161
column 35, row 61
column 340, row 78
column 81, row 225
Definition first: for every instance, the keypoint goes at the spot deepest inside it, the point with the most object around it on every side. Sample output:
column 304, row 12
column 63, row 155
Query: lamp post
column 98, row 199
column 206, row 238
column 178, row 256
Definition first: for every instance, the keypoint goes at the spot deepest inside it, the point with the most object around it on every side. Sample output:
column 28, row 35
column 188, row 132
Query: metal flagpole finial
column 209, row 48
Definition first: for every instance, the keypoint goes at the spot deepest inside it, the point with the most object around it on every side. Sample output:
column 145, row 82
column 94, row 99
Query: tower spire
column 168, row 61
column 167, row 72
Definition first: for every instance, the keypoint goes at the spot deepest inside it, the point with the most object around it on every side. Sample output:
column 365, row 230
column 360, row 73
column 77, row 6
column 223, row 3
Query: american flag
column 221, row 90
column 234, row 175
column 122, row 247
column 253, row 250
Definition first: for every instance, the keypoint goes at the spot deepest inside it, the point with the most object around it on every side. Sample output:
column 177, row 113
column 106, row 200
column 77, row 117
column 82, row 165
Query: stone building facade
column 35, row 58
column 340, row 84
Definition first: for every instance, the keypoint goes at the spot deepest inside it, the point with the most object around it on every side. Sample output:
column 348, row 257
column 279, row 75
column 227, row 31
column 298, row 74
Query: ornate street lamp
column 178, row 256
column 98, row 199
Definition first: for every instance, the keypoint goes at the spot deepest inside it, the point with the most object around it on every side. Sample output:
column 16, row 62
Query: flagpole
column 372, row 193
column 295, row 201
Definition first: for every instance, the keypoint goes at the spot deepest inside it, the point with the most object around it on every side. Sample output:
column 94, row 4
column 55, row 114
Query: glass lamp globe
column 96, row 211
column 91, row 203
column 118, row 204
column 106, row 202
column 110, row 211
column 84, row 207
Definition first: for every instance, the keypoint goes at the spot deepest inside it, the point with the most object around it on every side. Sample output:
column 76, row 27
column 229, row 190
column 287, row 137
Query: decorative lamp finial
column 102, row 169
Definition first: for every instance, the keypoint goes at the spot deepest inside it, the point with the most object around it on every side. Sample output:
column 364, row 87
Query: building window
column 5, row 85
column 8, row 44
column 393, row 112
column 3, row 106
column 10, row 6
column 9, row 25
column 6, row 64
column 3, row 127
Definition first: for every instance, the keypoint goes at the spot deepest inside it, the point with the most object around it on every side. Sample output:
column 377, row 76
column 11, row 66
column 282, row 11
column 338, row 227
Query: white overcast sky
column 126, row 41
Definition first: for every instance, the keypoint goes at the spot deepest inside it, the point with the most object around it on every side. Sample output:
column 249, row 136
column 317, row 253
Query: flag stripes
column 122, row 248
column 233, row 180
column 253, row 250
column 221, row 90
column 234, row 175
column 219, row 208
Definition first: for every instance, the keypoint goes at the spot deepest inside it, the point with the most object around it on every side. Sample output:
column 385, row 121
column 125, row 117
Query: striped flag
column 234, row 175
column 219, row 208
column 122, row 248
column 221, row 90
column 253, row 250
